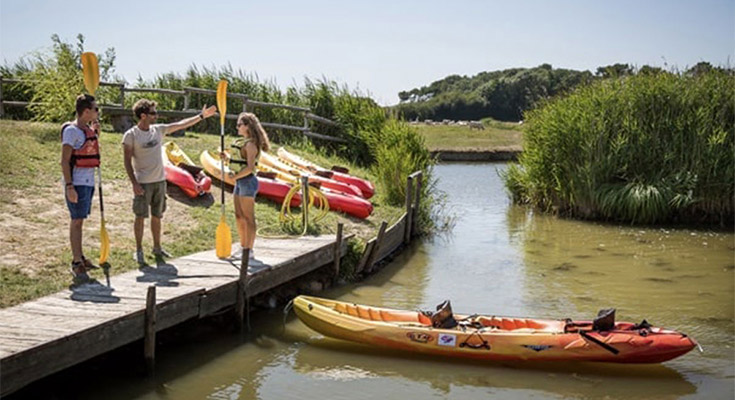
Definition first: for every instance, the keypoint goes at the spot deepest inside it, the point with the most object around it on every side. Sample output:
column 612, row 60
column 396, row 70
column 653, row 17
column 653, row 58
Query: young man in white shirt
column 79, row 157
column 144, row 166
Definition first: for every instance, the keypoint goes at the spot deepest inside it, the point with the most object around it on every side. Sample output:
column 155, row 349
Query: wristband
column 68, row 184
column 201, row 117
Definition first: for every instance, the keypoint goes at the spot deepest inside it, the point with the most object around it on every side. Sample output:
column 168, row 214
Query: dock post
column 305, row 200
column 149, row 350
column 338, row 250
column 240, row 304
column 415, row 226
column 376, row 248
column 409, row 212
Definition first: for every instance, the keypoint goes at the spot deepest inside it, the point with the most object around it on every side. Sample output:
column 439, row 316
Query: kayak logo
column 536, row 347
column 420, row 337
column 447, row 340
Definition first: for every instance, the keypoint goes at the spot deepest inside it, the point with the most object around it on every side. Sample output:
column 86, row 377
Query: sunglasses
column 151, row 113
column 239, row 124
column 95, row 109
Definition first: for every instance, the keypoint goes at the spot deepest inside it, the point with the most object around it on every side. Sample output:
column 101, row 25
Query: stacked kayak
column 268, row 188
column 336, row 173
column 492, row 337
column 274, row 162
column 182, row 172
column 338, row 201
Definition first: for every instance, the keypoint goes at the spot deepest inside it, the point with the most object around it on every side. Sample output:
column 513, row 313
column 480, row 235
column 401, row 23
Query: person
column 144, row 165
column 243, row 164
column 80, row 155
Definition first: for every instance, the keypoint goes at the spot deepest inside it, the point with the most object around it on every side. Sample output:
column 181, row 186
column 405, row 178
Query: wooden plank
column 393, row 239
column 275, row 105
column 409, row 207
column 322, row 120
column 419, row 176
column 155, row 90
column 365, row 255
column 376, row 248
column 300, row 266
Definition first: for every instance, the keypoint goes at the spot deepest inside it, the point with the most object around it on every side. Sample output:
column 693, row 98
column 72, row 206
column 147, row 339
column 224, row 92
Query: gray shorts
column 154, row 199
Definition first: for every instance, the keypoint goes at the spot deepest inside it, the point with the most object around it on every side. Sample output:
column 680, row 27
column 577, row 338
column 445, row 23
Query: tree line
column 505, row 95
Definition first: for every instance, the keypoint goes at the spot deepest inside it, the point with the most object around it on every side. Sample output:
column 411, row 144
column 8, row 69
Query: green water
column 498, row 259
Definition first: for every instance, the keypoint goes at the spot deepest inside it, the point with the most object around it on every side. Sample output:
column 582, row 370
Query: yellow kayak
column 492, row 337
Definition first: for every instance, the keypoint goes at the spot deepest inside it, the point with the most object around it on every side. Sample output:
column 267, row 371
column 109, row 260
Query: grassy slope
column 32, row 200
column 455, row 137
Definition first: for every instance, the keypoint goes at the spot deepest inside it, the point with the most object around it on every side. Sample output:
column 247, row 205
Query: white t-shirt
column 147, row 156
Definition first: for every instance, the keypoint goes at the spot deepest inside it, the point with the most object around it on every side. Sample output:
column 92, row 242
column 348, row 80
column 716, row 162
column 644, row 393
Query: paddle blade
column 91, row 71
column 222, row 100
column 104, row 243
column 223, row 239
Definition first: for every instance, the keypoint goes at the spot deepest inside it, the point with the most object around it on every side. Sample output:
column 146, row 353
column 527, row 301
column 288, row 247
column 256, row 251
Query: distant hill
column 503, row 95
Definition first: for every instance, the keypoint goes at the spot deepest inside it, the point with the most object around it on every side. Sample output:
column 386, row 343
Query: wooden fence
column 122, row 117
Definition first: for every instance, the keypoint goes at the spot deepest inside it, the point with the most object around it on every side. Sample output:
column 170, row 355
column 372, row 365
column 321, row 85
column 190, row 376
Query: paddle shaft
column 222, row 163
column 102, row 203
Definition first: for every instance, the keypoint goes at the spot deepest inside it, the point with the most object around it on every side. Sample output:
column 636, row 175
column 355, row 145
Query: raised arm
column 191, row 121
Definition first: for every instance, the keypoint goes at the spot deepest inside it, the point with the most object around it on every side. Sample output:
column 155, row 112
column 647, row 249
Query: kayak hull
column 500, row 338
column 192, row 184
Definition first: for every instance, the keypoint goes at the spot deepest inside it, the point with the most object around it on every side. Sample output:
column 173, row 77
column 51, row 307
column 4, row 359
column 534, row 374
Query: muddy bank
column 510, row 153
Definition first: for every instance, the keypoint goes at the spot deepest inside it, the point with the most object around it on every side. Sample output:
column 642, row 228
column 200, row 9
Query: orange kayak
column 492, row 337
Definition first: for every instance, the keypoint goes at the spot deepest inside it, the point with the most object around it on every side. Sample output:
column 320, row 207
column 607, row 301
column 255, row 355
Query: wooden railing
column 121, row 117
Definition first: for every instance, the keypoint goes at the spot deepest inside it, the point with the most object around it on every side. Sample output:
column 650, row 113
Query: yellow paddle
column 223, row 237
column 91, row 71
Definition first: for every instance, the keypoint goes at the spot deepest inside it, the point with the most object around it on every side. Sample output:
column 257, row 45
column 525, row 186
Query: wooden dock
column 52, row 333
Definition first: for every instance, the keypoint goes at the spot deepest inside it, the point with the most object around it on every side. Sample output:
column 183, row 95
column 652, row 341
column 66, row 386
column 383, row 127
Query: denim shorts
column 246, row 187
column 81, row 209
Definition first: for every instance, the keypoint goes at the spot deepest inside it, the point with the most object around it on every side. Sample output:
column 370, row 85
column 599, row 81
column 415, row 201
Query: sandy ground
column 35, row 230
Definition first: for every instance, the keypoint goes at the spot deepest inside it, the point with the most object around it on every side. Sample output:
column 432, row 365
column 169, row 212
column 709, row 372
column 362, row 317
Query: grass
column 35, row 219
column 454, row 137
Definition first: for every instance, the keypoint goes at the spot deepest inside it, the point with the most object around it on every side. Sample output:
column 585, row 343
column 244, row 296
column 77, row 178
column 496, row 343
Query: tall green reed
column 650, row 148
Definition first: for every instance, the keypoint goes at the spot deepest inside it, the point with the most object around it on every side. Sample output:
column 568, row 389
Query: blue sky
column 380, row 47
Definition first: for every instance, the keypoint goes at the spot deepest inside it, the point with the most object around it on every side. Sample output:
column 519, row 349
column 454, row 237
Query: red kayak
column 337, row 173
column 275, row 163
column 182, row 172
column 348, row 204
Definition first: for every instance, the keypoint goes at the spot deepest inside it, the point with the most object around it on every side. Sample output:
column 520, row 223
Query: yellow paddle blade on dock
column 223, row 239
column 104, row 243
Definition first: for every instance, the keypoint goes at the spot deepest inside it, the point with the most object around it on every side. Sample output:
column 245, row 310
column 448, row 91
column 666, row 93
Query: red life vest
column 87, row 156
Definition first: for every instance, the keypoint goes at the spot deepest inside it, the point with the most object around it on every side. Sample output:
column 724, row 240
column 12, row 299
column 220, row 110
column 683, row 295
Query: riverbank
column 505, row 153
column 35, row 219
